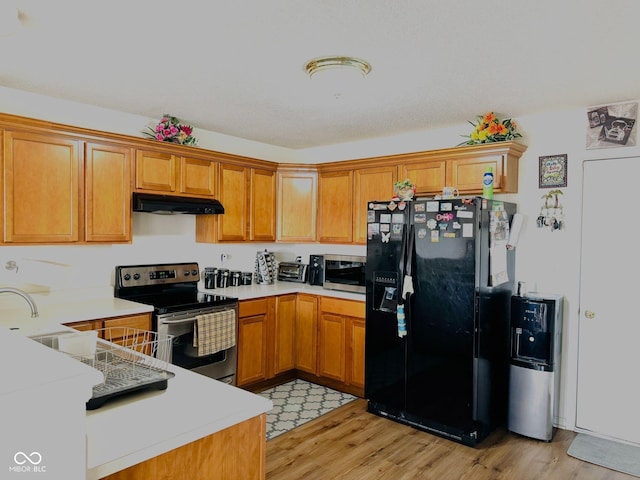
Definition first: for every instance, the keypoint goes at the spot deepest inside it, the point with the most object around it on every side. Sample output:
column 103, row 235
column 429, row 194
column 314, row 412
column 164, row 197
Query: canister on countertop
column 210, row 277
column 234, row 276
column 246, row 278
column 223, row 278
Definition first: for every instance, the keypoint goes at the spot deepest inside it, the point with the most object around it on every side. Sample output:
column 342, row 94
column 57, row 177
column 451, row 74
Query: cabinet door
column 252, row 349
column 331, row 347
column 197, row 176
column 370, row 184
column 156, row 171
column 297, row 206
column 306, row 333
column 41, row 188
column 263, row 205
column 335, row 207
column 285, row 317
column 234, row 182
column 428, row 177
column 467, row 174
column 356, row 352
column 107, row 193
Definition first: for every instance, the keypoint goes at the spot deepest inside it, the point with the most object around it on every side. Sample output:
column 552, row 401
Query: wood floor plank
column 352, row 444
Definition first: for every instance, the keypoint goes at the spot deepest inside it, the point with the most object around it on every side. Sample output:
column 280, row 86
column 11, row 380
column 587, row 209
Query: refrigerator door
column 457, row 349
column 440, row 347
column 384, row 349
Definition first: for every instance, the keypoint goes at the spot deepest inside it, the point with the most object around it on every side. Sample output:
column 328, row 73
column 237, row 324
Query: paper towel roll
column 514, row 234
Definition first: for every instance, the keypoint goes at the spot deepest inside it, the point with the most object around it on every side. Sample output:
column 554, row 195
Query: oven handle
column 179, row 321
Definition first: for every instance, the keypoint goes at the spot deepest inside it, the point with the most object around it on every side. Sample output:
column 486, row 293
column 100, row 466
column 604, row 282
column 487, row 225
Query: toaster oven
column 292, row 272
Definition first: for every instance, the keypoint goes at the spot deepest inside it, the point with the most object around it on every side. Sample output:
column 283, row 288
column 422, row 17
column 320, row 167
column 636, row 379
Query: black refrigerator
column 439, row 280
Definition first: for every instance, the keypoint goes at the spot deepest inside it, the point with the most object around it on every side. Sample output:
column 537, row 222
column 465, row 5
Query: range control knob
column 187, row 273
column 194, row 272
column 127, row 276
column 136, row 276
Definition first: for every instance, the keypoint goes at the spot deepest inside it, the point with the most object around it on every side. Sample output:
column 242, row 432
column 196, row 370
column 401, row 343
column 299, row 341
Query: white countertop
column 247, row 292
column 62, row 307
column 136, row 428
column 133, row 428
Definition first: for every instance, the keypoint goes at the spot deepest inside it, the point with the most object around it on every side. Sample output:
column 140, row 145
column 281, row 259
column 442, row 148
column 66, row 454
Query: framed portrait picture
column 553, row 171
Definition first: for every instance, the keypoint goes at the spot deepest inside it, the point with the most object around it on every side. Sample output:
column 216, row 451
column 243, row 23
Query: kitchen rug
column 298, row 402
column 606, row 453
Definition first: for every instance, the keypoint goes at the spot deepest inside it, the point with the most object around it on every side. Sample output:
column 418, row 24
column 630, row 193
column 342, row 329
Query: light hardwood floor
column 350, row 443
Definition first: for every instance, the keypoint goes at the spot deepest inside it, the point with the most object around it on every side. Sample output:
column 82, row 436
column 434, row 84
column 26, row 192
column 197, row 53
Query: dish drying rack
column 130, row 359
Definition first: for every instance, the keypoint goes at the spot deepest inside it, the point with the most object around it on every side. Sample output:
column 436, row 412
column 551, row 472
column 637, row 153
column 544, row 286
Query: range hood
column 168, row 204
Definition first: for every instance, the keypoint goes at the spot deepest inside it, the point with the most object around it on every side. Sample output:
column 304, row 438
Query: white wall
column 547, row 261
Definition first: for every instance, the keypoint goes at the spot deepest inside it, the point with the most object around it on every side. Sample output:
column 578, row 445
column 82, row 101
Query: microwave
column 344, row 272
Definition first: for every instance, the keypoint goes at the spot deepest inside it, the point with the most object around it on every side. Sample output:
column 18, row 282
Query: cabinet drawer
column 249, row 308
column 350, row 308
column 143, row 322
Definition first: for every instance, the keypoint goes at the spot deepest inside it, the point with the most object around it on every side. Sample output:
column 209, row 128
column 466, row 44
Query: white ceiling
column 237, row 67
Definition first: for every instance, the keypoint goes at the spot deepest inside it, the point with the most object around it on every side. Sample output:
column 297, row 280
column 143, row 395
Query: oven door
column 220, row 365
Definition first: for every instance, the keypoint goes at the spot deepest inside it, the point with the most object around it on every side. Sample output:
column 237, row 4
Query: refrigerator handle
column 407, row 287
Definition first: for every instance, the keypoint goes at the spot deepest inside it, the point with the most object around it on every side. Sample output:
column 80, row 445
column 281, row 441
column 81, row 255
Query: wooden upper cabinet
column 466, row 174
column 198, row 176
column 370, row 184
column 297, row 205
column 156, row 171
column 429, row 176
column 107, row 193
column 263, row 205
column 248, row 197
column 234, row 183
column 335, row 207
column 42, row 188
column 161, row 171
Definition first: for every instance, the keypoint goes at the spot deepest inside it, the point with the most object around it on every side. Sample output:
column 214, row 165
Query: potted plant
column 405, row 190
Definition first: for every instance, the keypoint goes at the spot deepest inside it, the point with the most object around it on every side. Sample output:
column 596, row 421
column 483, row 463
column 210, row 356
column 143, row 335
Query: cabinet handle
column 590, row 314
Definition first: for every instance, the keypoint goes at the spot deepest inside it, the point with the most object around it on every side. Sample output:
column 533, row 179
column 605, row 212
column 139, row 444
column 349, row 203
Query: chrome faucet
column 25, row 295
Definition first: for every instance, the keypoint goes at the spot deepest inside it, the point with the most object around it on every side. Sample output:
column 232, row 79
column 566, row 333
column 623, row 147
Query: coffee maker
column 316, row 269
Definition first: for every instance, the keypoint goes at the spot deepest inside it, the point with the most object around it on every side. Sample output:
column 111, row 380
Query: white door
column 609, row 339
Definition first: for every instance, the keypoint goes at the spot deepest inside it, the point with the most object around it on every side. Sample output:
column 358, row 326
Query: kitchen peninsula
column 197, row 428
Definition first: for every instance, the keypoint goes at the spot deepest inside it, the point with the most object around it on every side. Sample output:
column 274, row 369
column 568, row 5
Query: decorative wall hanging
column 553, row 171
column 170, row 130
column 489, row 129
column 552, row 212
column 612, row 125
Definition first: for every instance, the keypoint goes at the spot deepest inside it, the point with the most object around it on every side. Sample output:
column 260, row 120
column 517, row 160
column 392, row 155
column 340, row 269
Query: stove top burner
column 167, row 287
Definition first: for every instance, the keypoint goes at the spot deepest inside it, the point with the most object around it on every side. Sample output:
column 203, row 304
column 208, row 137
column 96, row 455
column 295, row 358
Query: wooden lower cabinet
column 265, row 338
column 237, row 452
column 306, row 333
column 252, row 340
column 140, row 321
column 284, row 334
column 320, row 339
column 341, row 327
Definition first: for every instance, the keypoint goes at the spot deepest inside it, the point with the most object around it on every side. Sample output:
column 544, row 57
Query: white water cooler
column 534, row 370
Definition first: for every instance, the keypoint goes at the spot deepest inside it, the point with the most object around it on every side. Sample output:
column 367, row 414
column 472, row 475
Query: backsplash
column 156, row 239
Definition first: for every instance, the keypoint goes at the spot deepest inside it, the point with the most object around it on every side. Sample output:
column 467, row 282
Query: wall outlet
column 224, row 257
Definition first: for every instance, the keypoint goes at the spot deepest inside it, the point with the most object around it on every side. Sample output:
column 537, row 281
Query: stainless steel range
column 172, row 290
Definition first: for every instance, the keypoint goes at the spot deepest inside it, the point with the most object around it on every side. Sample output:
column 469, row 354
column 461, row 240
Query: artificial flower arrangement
column 170, row 130
column 490, row 129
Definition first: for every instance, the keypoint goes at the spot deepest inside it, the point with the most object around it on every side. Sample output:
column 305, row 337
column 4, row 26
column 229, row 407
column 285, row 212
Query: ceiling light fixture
column 342, row 63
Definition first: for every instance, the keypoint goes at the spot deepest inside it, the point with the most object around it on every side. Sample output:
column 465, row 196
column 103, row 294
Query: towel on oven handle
column 214, row 332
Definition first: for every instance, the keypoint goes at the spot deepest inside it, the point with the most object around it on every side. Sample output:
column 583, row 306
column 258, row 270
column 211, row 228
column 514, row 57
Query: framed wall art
column 553, row 171
column 612, row 125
